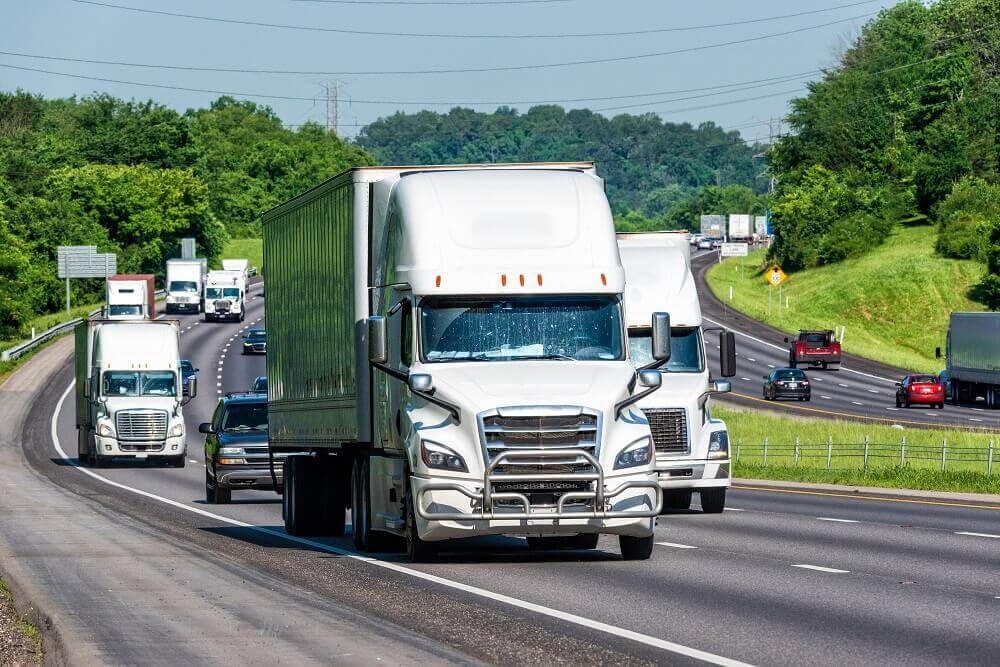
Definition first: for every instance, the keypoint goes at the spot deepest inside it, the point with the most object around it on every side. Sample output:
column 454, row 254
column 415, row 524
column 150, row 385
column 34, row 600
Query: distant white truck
column 692, row 448
column 225, row 295
column 185, row 285
column 972, row 351
column 130, row 297
column 241, row 265
column 740, row 227
column 129, row 394
column 460, row 365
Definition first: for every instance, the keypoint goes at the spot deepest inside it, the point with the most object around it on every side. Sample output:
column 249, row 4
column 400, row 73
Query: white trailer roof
column 658, row 279
column 136, row 346
column 497, row 231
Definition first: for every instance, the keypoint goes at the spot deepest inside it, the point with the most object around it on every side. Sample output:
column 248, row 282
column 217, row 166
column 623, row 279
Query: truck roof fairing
column 504, row 231
column 658, row 279
column 116, row 344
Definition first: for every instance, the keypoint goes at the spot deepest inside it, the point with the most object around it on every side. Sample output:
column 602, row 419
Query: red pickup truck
column 816, row 348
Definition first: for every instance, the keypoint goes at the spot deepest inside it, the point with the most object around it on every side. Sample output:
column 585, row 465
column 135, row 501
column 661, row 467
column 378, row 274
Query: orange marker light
column 604, row 279
column 503, row 279
column 522, row 280
column 437, row 282
column 539, row 280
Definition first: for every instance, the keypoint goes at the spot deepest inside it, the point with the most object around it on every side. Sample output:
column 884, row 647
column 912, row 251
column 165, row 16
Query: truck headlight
column 636, row 454
column 231, row 451
column 105, row 429
column 177, row 429
column 436, row 455
column 718, row 445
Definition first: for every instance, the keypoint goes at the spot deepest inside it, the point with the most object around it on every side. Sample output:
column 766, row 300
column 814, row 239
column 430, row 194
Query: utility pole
column 332, row 88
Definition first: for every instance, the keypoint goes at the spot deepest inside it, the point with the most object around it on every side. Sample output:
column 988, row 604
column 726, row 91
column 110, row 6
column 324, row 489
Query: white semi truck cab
column 692, row 448
column 225, row 296
column 129, row 396
column 461, row 367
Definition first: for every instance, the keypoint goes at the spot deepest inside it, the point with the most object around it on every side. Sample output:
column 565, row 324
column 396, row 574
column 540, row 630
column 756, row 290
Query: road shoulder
column 984, row 499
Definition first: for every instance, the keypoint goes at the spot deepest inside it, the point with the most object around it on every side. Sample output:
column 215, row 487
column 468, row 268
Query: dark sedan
column 786, row 383
column 255, row 342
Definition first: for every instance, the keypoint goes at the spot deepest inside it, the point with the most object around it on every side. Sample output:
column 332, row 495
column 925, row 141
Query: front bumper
column 172, row 446
column 694, row 474
column 248, row 476
column 182, row 307
column 624, row 505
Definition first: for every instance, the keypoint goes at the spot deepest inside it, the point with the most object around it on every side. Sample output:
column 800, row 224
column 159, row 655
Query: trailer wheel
column 301, row 500
column 635, row 548
column 82, row 455
column 418, row 550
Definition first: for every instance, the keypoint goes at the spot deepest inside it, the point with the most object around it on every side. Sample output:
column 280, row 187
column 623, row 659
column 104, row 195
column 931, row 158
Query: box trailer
column 972, row 353
column 131, row 297
column 185, row 284
column 448, row 346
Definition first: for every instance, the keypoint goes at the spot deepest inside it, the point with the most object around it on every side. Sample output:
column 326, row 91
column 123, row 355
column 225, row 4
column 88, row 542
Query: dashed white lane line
column 745, row 379
column 581, row 621
column 841, row 384
column 973, row 419
column 193, row 460
column 827, row 518
column 816, row 379
column 751, row 359
column 218, row 384
column 962, row 532
column 826, row 397
column 733, row 509
column 218, row 377
column 770, row 366
column 856, row 403
column 676, row 546
column 873, row 391
column 893, row 409
column 818, row 568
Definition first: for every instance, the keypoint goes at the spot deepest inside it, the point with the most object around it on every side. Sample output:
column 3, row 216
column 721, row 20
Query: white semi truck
column 692, row 448
column 185, row 285
column 130, row 297
column 129, row 396
column 460, row 364
column 225, row 295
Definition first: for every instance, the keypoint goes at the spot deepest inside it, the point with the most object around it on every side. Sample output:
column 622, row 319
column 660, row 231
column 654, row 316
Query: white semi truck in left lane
column 129, row 398
column 448, row 345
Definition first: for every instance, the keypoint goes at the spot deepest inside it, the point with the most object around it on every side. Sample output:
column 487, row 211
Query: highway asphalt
column 861, row 389
column 780, row 578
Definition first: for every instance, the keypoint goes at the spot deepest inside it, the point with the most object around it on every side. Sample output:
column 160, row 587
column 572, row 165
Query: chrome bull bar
column 600, row 496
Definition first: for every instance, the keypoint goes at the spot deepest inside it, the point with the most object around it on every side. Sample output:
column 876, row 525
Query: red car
column 916, row 389
column 814, row 348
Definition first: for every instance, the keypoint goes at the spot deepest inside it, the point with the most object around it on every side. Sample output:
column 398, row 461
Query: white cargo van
column 692, row 448
column 460, row 366
column 128, row 392
column 225, row 295
column 185, row 284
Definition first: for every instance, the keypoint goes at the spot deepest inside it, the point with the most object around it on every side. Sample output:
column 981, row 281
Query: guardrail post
column 796, row 450
column 902, row 452
column 765, row 451
column 866, row 453
column 989, row 460
column 829, row 450
column 944, row 453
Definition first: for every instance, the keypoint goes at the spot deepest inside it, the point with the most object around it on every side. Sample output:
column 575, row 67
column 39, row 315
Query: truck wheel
column 418, row 550
column 82, row 455
column 299, row 504
column 586, row 541
column 333, row 479
column 713, row 501
column 792, row 363
column 366, row 539
column 898, row 404
column 676, row 500
column 176, row 461
column 214, row 495
column 635, row 548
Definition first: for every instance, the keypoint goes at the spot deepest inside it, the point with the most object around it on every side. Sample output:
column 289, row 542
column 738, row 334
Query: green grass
column 895, row 301
column 252, row 249
column 30, row 631
column 965, row 458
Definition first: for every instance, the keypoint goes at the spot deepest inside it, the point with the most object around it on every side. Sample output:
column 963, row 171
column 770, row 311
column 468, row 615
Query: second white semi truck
column 185, row 285
column 692, row 448
column 129, row 394
column 460, row 366
column 225, row 295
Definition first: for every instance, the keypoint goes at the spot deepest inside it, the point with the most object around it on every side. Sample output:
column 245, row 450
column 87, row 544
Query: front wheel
column 677, row 500
column 635, row 548
column 213, row 494
column 176, row 461
column 713, row 501
column 418, row 550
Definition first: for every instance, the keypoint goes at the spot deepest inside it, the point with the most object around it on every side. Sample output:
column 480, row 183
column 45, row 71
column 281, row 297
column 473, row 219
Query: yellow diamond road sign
column 775, row 276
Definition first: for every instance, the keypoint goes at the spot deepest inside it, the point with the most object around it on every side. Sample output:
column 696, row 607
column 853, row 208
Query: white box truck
column 185, row 285
column 129, row 396
column 972, row 352
column 241, row 265
column 692, row 448
column 740, row 227
column 131, row 297
column 225, row 295
column 448, row 345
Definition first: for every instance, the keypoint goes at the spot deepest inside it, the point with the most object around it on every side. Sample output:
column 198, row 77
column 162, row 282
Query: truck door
column 400, row 327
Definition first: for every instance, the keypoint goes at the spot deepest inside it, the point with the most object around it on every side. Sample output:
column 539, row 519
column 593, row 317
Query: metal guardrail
column 59, row 329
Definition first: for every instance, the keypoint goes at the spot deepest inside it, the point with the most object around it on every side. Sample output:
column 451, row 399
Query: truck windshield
column 585, row 328
column 231, row 292
column 134, row 383
column 245, row 417
column 685, row 350
column 213, row 293
column 125, row 310
column 183, row 286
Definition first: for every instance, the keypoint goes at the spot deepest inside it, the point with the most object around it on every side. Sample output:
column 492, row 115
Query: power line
column 385, row 33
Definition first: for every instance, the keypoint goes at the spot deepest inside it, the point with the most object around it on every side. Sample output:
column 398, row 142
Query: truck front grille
column 669, row 429
column 143, row 425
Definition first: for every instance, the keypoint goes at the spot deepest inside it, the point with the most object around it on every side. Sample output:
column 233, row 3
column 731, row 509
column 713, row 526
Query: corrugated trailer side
column 310, row 286
column 974, row 347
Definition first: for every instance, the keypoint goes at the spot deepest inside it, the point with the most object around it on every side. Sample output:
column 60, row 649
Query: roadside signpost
column 734, row 249
column 774, row 277
column 83, row 261
column 187, row 248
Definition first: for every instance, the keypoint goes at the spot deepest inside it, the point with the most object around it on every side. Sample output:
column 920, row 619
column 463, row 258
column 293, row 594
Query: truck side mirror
column 378, row 347
column 727, row 354
column 421, row 383
column 650, row 378
column 192, row 386
column 661, row 336
column 722, row 387
column 937, row 352
column 205, row 427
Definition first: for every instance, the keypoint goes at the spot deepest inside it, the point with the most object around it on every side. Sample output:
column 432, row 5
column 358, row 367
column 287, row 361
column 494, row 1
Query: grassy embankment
column 895, row 301
column 965, row 457
column 41, row 324
column 252, row 249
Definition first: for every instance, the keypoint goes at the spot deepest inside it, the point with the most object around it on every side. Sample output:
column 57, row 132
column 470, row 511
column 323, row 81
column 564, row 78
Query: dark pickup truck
column 815, row 348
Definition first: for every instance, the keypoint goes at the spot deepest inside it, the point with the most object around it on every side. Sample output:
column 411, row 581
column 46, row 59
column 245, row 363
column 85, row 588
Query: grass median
column 895, row 301
column 846, row 452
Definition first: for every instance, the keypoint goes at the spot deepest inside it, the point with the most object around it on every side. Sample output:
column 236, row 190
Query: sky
column 682, row 74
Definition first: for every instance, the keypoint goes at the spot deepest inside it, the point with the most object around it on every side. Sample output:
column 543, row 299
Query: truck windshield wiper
column 547, row 355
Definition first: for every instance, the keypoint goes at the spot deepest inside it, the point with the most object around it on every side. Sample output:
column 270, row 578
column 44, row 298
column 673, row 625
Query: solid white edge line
column 676, row 546
column 567, row 617
column 827, row 518
column 819, row 568
column 781, row 349
column 963, row 532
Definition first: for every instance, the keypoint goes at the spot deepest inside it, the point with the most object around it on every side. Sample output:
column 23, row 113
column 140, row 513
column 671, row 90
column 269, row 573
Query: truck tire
column 792, row 363
column 676, row 500
column 176, row 461
column 300, row 502
column 418, row 550
column 215, row 495
column 635, row 548
column 713, row 501
column 82, row 452
column 365, row 538
column 334, row 481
